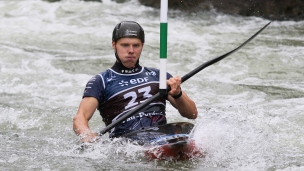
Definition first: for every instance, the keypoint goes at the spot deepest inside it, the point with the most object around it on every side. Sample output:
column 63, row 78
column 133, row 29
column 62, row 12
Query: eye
column 137, row 45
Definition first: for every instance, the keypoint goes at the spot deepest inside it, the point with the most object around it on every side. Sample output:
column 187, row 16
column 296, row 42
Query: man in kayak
column 124, row 86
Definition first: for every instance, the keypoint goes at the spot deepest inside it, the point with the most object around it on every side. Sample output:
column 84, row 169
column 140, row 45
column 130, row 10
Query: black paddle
column 184, row 78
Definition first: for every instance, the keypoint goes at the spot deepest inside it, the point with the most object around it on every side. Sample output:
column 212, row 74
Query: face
column 128, row 50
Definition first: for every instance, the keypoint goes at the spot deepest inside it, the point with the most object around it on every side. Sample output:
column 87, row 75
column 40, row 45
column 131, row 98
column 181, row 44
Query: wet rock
column 52, row 0
column 270, row 9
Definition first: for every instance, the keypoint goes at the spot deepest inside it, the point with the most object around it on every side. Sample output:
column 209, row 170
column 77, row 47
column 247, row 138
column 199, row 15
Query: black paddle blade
column 215, row 60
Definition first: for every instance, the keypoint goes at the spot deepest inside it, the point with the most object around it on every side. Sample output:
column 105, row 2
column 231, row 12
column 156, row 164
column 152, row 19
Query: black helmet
column 128, row 29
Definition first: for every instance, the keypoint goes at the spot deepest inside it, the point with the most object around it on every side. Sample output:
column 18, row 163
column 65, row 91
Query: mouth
column 130, row 58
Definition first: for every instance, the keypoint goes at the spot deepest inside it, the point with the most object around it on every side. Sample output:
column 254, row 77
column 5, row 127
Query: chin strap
column 119, row 61
column 117, row 58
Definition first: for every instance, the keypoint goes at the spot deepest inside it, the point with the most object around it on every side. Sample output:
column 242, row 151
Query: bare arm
column 184, row 104
column 85, row 111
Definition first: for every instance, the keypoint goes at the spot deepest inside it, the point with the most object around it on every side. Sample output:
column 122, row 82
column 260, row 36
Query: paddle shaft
column 130, row 113
column 184, row 78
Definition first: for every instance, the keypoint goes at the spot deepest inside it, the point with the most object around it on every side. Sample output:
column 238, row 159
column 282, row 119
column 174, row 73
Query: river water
column 250, row 104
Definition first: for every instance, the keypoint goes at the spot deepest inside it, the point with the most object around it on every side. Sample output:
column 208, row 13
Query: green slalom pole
column 163, row 47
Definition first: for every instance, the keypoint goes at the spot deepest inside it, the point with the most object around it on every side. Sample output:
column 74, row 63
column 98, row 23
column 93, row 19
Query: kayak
column 167, row 142
column 177, row 147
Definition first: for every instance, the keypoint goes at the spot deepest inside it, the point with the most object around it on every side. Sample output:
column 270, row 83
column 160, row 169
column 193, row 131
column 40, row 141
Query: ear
column 113, row 45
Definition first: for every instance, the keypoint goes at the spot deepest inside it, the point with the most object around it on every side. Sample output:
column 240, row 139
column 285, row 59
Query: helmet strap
column 119, row 67
column 117, row 58
column 119, row 61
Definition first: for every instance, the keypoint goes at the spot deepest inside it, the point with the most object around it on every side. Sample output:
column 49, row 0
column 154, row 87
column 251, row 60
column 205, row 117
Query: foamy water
column 250, row 104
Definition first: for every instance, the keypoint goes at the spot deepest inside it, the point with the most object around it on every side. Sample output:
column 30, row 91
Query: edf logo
column 139, row 80
column 134, row 81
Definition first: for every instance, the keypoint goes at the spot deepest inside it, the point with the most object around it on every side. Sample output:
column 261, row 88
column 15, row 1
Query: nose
column 131, row 49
